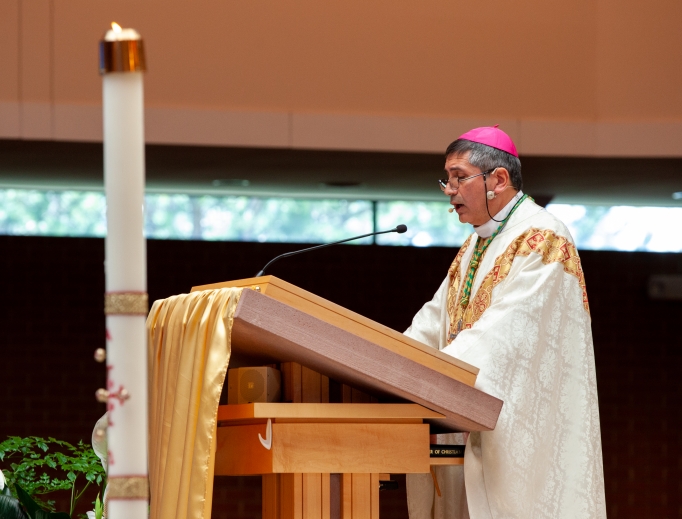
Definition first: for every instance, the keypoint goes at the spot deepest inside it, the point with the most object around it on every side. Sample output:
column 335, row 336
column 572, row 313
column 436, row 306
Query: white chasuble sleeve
column 533, row 345
column 429, row 324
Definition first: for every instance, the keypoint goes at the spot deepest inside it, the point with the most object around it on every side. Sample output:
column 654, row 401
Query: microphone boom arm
column 399, row 229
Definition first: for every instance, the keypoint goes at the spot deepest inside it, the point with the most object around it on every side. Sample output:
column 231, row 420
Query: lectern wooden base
column 311, row 448
column 359, row 496
column 297, row 496
column 310, row 496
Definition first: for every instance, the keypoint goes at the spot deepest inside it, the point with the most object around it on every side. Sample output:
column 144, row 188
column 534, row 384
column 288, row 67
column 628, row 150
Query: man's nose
column 449, row 190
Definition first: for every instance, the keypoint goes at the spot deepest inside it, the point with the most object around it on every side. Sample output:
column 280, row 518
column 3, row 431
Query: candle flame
column 115, row 27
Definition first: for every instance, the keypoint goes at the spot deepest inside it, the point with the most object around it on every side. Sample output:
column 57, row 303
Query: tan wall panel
column 10, row 118
column 36, row 67
column 435, row 58
column 9, row 57
column 579, row 78
column 640, row 60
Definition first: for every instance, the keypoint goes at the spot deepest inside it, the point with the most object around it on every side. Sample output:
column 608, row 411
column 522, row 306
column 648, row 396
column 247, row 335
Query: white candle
column 126, row 272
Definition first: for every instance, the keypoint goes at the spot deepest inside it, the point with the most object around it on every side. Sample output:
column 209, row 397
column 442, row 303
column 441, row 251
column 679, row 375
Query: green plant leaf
column 6, row 489
column 99, row 508
column 10, row 508
column 34, row 510
column 31, row 506
column 31, row 456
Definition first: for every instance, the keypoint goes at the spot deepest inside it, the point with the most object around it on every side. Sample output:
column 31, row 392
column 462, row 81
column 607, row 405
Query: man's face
column 469, row 198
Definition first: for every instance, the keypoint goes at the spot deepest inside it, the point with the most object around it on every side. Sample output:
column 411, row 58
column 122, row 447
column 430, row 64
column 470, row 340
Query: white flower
column 2, row 480
column 90, row 514
column 99, row 439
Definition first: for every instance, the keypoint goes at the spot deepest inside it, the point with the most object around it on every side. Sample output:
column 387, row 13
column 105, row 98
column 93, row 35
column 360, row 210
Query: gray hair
column 486, row 157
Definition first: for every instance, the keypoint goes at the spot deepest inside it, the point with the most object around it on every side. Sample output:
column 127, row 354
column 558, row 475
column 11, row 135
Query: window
column 241, row 218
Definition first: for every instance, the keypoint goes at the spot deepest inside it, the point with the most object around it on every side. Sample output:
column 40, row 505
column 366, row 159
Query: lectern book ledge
column 323, row 448
column 330, row 413
column 357, row 352
column 355, row 323
column 323, row 438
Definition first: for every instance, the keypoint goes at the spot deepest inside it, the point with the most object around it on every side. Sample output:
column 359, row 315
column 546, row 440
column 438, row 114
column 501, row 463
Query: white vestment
column 527, row 329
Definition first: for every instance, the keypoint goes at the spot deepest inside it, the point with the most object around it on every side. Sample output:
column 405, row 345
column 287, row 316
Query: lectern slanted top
column 276, row 321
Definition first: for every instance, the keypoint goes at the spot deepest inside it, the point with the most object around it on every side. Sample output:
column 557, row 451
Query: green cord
column 478, row 253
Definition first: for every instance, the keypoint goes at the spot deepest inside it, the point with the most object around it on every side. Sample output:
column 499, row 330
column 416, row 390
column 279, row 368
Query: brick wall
column 51, row 322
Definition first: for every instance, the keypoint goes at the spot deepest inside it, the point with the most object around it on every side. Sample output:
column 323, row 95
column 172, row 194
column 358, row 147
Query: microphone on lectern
column 400, row 229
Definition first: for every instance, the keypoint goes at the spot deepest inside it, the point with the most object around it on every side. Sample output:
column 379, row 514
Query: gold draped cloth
column 188, row 352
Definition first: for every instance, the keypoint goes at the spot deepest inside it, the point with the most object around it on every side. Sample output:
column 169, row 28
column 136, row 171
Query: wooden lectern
column 322, row 460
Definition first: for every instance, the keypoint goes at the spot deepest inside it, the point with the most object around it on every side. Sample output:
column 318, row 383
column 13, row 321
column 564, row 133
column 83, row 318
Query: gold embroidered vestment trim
column 453, row 306
column 551, row 247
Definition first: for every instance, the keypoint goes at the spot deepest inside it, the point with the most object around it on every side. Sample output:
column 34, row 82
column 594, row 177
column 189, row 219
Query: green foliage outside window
column 428, row 224
column 245, row 218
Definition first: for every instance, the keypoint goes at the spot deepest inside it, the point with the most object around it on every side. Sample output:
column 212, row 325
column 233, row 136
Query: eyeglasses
column 454, row 182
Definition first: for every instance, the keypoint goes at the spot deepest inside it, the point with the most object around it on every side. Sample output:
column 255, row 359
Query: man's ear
column 503, row 180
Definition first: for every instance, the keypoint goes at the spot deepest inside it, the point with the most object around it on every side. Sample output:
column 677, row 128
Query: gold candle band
column 127, row 487
column 126, row 303
column 121, row 56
